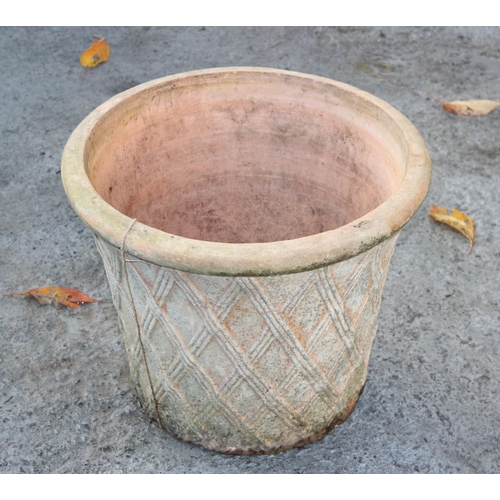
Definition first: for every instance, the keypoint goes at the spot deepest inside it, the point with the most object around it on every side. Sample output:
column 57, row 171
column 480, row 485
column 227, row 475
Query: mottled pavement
column 432, row 400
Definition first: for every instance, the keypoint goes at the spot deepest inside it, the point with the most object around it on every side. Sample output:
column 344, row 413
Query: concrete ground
column 432, row 399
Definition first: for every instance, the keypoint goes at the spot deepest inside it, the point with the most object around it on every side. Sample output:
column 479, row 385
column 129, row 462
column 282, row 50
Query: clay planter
column 267, row 205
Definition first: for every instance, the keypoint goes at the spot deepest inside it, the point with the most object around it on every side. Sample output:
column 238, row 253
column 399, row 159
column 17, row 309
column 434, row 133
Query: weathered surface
column 431, row 399
column 226, row 170
column 248, row 365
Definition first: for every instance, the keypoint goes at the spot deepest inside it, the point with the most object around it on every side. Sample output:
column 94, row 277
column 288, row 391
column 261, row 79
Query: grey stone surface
column 432, row 399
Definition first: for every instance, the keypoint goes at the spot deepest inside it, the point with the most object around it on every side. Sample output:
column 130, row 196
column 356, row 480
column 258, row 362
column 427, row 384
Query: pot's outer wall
column 248, row 365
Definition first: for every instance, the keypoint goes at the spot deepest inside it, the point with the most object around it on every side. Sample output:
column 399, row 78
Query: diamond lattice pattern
column 244, row 362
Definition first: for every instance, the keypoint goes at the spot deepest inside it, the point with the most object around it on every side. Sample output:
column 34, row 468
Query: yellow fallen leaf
column 96, row 54
column 469, row 108
column 457, row 220
column 68, row 297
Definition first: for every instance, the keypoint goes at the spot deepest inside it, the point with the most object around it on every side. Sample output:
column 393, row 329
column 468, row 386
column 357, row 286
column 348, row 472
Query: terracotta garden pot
column 246, row 218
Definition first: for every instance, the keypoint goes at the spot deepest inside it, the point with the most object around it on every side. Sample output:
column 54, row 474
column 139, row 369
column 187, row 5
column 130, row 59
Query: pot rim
column 246, row 259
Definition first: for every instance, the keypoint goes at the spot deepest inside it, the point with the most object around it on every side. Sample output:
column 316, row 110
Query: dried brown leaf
column 456, row 219
column 468, row 108
column 68, row 297
column 96, row 54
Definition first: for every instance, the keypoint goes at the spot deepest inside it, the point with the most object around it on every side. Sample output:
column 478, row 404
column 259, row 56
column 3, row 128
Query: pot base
column 349, row 409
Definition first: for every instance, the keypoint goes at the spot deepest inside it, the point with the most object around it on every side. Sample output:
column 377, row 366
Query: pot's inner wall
column 244, row 158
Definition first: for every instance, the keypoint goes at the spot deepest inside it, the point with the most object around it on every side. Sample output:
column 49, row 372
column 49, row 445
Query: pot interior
column 245, row 157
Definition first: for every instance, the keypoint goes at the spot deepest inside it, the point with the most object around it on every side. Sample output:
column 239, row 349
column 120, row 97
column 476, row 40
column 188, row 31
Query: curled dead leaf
column 68, row 297
column 456, row 219
column 96, row 54
column 468, row 108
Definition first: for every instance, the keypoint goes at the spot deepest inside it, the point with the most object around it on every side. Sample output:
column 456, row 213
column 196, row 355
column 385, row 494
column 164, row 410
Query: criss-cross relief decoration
column 248, row 361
